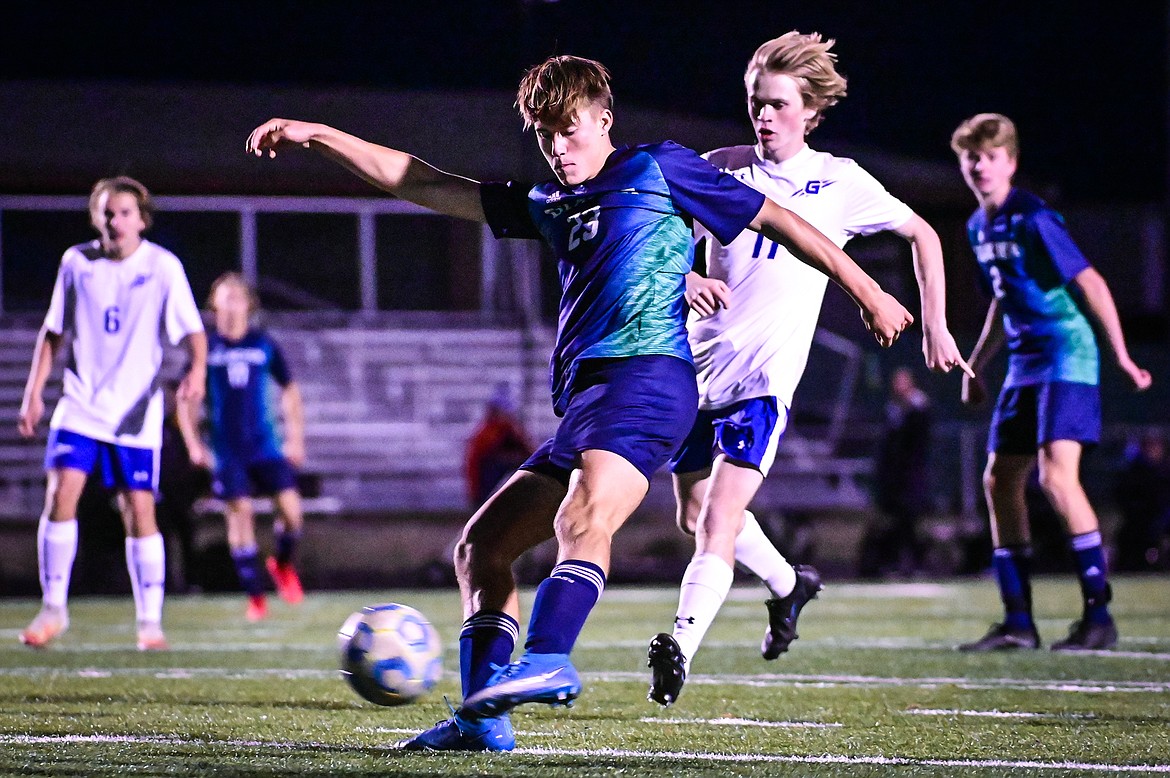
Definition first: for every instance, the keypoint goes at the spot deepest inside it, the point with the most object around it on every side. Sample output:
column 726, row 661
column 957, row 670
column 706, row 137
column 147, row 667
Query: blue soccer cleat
column 547, row 678
column 459, row 733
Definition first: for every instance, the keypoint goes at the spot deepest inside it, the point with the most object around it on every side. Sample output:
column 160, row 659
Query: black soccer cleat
column 667, row 669
column 783, row 611
column 1004, row 638
column 1088, row 636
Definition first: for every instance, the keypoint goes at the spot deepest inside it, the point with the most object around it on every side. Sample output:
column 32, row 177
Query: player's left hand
column 192, row 387
column 886, row 318
column 294, row 452
column 706, row 295
column 941, row 352
column 1138, row 376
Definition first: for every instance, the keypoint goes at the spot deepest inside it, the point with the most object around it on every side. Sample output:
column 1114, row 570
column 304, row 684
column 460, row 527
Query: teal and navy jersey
column 244, row 378
column 1028, row 260
column 623, row 246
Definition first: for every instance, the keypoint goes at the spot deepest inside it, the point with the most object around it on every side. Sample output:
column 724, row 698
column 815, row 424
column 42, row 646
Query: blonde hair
column 807, row 60
column 233, row 277
column 117, row 185
column 986, row 130
column 555, row 90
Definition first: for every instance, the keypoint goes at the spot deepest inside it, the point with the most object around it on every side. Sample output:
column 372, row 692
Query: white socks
column 146, row 561
column 704, row 588
column 56, row 548
column 755, row 552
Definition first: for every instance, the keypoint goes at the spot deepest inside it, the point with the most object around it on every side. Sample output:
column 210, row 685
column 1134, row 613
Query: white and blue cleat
column 547, row 678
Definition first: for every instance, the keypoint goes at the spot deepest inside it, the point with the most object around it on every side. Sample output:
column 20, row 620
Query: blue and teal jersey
column 623, row 245
column 244, row 381
column 1028, row 260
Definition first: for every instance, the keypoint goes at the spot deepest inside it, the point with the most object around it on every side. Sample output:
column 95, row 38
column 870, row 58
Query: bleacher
column 389, row 408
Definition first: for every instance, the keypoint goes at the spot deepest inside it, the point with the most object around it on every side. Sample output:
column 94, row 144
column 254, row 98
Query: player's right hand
column 274, row 132
column 886, row 318
column 974, row 393
column 31, row 411
column 200, row 456
column 705, row 296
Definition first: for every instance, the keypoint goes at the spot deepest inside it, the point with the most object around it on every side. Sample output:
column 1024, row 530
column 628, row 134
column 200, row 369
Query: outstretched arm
column 938, row 345
column 884, row 316
column 990, row 341
column 1099, row 301
column 395, row 171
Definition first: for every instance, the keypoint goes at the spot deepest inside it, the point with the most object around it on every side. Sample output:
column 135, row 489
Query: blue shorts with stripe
column 639, row 408
column 1026, row 417
column 747, row 432
column 235, row 478
column 122, row 467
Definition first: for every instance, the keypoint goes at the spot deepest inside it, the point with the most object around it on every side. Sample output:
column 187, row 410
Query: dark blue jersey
column 623, row 245
column 1028, row 260
column 244, row 379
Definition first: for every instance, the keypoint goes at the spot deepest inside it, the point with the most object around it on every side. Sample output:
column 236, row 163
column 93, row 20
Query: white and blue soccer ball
column 390, row 653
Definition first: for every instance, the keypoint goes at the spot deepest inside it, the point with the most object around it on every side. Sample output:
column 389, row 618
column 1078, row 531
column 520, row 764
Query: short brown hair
column 234, row 277
column 986, row 130
column 555, row 90
column 807, row 59
column 116, row 185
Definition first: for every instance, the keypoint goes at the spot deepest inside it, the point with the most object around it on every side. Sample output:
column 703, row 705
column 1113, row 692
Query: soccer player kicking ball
column 247, row 453
column 113, row 299
column 621, row 373
column 1049, row 407
column 750, row 354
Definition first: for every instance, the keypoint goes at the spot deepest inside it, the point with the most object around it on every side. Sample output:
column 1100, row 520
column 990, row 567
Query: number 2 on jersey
column 584, row 226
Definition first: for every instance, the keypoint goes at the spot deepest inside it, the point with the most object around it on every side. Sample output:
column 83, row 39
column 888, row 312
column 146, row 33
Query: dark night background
column 1085, row 83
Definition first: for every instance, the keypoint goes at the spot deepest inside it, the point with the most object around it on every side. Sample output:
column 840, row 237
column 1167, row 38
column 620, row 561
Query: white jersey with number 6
column 759, row 346
column 113, row 315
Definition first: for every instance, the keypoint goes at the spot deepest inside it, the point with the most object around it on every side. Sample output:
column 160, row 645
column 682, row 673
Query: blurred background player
column 497, row 448
column 750, row 352
column 901, row 483
column 113, row 300
column 622, row 376
column 247, row 455
column 1044, row 294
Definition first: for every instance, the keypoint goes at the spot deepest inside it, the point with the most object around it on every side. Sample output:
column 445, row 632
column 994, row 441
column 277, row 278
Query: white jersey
column 113, row 315
column 759, row 346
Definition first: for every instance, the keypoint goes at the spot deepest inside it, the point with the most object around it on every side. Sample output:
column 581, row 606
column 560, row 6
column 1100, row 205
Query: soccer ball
column 390, row 653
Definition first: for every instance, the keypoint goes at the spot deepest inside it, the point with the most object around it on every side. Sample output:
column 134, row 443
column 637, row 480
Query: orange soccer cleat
column 48, row 624
column 151, row 637
column 257, row 608
column 288, row 583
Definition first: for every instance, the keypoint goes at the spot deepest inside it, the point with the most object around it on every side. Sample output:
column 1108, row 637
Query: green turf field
column 873, row 687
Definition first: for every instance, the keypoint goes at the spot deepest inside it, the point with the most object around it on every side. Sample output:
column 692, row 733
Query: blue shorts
column 1026, row 417
column 122, row 467
column 234, row 478
column 747, row 432
column 639, row 408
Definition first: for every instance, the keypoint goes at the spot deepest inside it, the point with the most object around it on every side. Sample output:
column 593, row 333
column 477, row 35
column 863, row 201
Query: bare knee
column 687, row 516
column 1057, row 482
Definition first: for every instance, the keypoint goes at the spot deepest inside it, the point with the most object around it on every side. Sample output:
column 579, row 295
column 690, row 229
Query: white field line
column 694, row 756
column 995, row 714
column 728, row 721
column 754, row 681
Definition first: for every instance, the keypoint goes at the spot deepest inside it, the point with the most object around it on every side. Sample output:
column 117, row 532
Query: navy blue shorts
column 747, row 432
column 640, row 408
column 1026, row 417
column 122, row 467
column 234, row 478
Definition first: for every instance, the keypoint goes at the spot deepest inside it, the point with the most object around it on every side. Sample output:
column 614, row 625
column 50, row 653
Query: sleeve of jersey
column 55, row 317
column 1067, row 259
column 718, row 201
column 182, row 314
column 505, row 204
column 278, row 365
column 872, row 208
